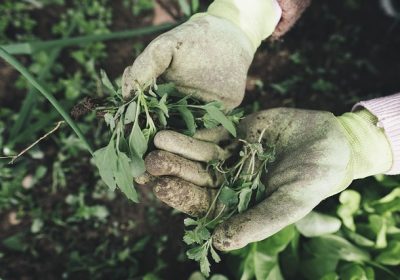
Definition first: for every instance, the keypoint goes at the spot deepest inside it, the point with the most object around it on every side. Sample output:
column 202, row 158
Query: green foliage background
column 57, row 218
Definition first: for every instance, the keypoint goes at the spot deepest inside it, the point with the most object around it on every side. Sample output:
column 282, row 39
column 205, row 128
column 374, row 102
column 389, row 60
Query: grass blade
column 32, row 47
column 30, row 100
column 20, row 68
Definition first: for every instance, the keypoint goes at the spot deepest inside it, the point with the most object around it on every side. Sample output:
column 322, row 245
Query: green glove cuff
column 256, row 18
column 371, row 151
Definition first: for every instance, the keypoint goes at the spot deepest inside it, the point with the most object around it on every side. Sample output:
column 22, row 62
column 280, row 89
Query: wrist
column 387, row 111
column 256, row 18
column 371, row 151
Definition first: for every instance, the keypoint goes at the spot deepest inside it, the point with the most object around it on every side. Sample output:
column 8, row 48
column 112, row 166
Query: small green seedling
column 241, row 187
column 133, row 124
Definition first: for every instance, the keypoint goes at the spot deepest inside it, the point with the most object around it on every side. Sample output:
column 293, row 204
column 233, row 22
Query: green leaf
column 195, row 5
column 379, row 226
column 275, row 273
column 162, row 118
column 370, row 273
column 185, row 8
column 263, row 264
column 248, row 265
column 387, row 207
column 37, row 225
column 190, row 222
column 359, row 239
column 205, row 265
column 141, row 244
column 316, row 224
column 336, row 247
column 214, row 255
column 202, row 232
column 124, row 178
column 209, row 122
column 105, row 160
column 137, row 165
column 189, row 238
column 198, row 235
column 162, row 104
column 123, row 255
column 165, row 89
column 137, row 141
column 123, row 145
column 244, row 199
column 188, row 118
column 216, row 277
column 218, row 116
column 388, row 203
column 15, row 242
column 387, row 181
column 350, row 204
column 260, row 194
column 391, row 196
column 195, row 253
column 353, row 272
column 391, row 256
column 318, row 267
column 261, row 261
column 109, row 119
column 277, row 242
column 106, row 82
column 130, row 113
column 228, row 196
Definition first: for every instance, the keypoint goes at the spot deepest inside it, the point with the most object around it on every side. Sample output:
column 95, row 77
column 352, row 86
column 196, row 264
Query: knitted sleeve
column 387, row 110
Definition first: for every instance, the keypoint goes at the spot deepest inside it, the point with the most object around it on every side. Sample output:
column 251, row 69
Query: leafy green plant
column 241, row 186
column 359, row 241
column 15, row 15
column 146, row 113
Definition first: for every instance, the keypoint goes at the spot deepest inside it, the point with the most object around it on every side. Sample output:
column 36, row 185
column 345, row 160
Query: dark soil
column 355, row 51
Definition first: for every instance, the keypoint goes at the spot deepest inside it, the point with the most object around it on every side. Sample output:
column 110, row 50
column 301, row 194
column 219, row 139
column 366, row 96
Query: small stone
column 13, row 219
column 27, row 182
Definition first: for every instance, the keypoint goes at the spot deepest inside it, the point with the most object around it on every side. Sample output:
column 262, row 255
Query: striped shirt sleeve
column 387, row 110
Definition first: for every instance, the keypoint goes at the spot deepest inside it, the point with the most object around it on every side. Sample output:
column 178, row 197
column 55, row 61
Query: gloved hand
column 317, row 156
column 209, row 55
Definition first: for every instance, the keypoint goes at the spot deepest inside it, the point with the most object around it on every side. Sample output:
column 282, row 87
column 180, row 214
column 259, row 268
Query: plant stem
column 35, row 143
column 20, row 68
column 213, row 203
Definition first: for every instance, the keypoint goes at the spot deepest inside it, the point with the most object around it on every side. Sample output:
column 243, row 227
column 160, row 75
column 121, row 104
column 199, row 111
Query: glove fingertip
column 181, row 195
column 167, row 140
column 156, row 163
column 225, row 240
column 127, row 81
column 145, row 178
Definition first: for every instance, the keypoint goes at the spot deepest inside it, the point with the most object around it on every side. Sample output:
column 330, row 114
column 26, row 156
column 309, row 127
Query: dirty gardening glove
column 184, row 182
column 317, row 155
column 209, row 55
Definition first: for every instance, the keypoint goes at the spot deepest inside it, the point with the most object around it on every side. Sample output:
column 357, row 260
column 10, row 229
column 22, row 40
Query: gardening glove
column 209, row 55
column 317, row 155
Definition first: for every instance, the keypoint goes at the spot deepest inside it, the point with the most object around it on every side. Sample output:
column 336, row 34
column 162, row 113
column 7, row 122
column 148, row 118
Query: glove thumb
column 148, row 66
